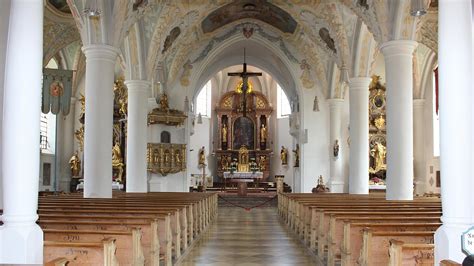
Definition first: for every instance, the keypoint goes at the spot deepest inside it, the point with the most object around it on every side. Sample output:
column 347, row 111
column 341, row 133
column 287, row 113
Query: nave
column 241, row 237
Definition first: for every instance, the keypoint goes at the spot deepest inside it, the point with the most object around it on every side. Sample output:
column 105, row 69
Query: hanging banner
column 57, row 89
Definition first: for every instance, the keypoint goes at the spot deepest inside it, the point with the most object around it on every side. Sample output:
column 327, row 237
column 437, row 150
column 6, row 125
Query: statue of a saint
column 284, row 155
column 117, row 161
column 224, row 133
column 378, row 152
column 261, row 162
column 177, row 157
column 202, row 157
column 116, row 155
column 336, row 148
column 75, row 164
column 164, row 102
column 263, row 134
column 297, row 155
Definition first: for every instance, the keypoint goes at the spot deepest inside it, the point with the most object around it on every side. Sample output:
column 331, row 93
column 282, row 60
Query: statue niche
column 244, row 133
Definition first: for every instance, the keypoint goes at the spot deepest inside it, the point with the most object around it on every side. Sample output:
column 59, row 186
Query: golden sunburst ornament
column 238, row 89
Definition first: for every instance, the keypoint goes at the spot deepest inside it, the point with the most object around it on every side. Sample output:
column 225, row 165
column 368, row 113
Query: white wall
column 282, row 138
column 4, row 21
column 46, row 158
column 314, row 154
column 200, row 138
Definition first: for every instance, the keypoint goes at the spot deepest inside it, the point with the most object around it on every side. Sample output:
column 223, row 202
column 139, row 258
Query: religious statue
column 79, row 134
column 167, row 157
column 224, row 133
column 379, row 122
column 284, row 155
column 263, row 134
column 320, row 187
column 261, row 162
column 75, row 164
column 378, row 152
column 336, row 148
column 224, row 162
column 177, row 157
column 202, row 157
column 117, row 161
column 156, row 156
column 164, row 102
column 297, row 155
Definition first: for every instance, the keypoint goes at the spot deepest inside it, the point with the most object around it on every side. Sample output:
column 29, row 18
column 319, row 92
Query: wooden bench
column 82, row 253
column 408, row 254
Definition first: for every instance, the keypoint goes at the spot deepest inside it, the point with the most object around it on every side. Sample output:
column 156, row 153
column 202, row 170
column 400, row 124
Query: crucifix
column 245, row 83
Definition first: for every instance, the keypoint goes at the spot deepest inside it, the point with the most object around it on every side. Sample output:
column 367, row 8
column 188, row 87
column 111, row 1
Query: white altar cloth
column 243, row 176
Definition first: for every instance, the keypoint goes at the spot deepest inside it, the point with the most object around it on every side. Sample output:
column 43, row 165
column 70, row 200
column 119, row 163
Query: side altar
column 243, row 138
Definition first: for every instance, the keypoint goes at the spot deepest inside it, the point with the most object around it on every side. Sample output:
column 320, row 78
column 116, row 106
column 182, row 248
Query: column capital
column 418, row 103
column 100, row 51
column 137, row 85
column 359, row 83
column 398, row 48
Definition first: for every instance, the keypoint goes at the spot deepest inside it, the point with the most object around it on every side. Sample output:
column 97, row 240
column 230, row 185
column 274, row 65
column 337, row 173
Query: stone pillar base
column 21, row 244
column 448, row 242
column 336, row 187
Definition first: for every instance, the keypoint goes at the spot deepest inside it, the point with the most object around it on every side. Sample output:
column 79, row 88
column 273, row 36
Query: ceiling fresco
column 259, row 9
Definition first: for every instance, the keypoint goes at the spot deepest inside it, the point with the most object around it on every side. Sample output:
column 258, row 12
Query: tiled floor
column 240, row 237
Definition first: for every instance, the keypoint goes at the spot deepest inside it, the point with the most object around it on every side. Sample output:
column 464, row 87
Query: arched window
column 203, row 100
column 165, row 137
column 283, row 104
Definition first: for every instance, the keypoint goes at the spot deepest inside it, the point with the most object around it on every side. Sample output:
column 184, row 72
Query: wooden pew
column 82, row 253
column 375, row 245
column 351, row 243
column 151, row 234
column 128, row 243
column 408, row 254
column 58, row 262
column 449, row 263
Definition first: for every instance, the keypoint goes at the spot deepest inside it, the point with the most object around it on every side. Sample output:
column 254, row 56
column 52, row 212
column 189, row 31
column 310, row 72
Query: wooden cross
column 245, row 79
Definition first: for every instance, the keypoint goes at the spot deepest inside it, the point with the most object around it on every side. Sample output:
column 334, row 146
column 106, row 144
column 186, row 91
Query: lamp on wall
column 417, row 8
column 199, row 118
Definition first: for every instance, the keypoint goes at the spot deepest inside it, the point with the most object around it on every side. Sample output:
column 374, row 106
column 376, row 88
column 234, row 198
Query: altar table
column 242, row 178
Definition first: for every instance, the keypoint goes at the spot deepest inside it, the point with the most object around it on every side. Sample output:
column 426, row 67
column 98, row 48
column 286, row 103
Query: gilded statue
column 262, row 162
column 177, row 157
column 263, row 134
column 75, row 164
column 284, row 155
column 79, row 134
column 167, row 157
column 156, row 156
column 117, row 162
column 378, row 152
column 379, row 122
column 297, row 155
column 224, row 133
column 164, row 102
column 202, row 157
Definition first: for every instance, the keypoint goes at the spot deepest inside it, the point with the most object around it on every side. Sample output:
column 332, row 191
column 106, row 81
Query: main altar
column 244, row 144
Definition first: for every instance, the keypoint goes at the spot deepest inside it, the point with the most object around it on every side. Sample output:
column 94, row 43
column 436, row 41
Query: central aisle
column 240, row 237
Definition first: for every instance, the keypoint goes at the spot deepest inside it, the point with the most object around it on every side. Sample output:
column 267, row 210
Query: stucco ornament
column 305, row 78
column 186, row 74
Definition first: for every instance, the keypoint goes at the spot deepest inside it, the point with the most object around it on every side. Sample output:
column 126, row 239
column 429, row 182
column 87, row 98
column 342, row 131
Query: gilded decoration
column 165, row 115
column 377, row 131
column 243, row 139
column 166, row 158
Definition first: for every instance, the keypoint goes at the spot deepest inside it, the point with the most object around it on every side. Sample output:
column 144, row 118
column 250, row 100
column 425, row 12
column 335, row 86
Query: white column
column 100, row 65
column 336, row 183
column 138, row 91
column 399, row 72
column 359, row 135
column 418, row 145
column 67, row 146
column 21, row 239
column 456, row 127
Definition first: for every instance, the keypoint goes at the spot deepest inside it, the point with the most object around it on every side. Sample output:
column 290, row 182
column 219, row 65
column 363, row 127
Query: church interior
column 236, row 132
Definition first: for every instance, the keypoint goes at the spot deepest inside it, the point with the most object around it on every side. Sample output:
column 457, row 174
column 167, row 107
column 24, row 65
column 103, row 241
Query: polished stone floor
column 241, row 237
